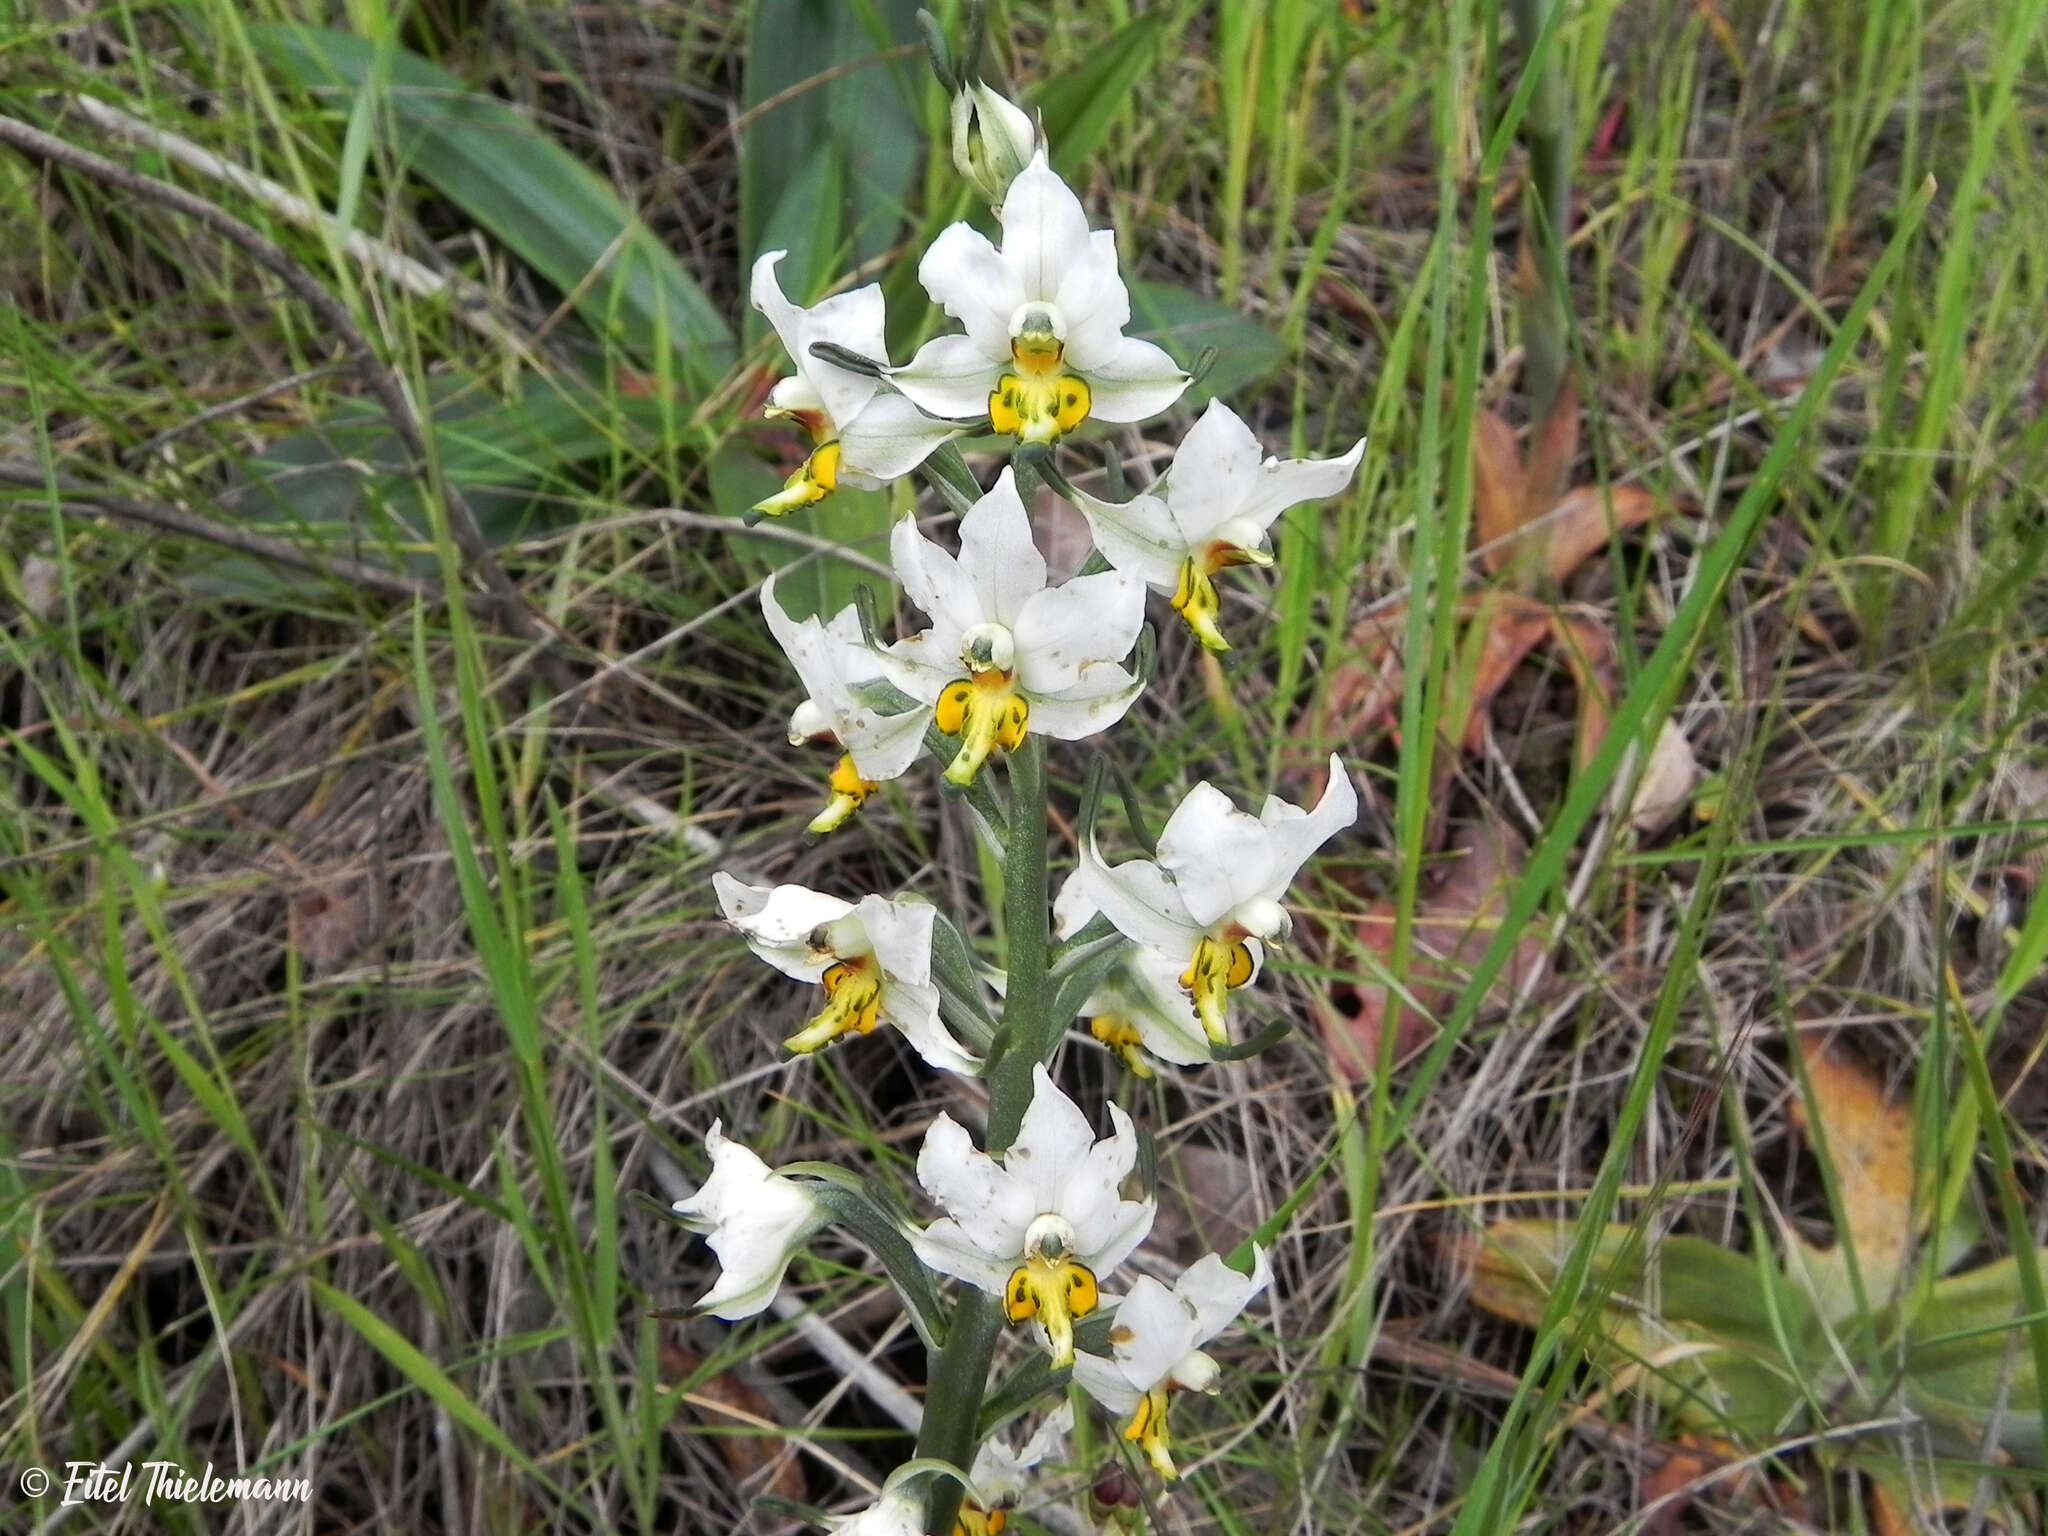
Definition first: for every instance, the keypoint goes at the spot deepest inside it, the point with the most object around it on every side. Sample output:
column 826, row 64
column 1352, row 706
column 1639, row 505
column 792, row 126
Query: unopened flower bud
column 1114, row 1489
column 993, row 140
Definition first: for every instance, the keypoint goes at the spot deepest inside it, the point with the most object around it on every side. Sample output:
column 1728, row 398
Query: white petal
column 778, row 923
column 1052, row 1144
column 1134, row 381
column 922, row 665
column 1060, row 630
column 1146, row 990
column 968, row 278
column 1284, row 483
column 1138, row 535
column 1104, row 1381
column 998, row 555
column 1101, row 696
column 950, row 376
column 1140, row 901
column 1154, row 1329
column 1296, row 834
column 1094, row 305
column 1215, row 1293
column 895, row 1513
column 1214, row 473
column 993, row 1206
column 937, row 585
column 852, row 320
column 913, row 1009
column 1220, row 858
column 948, row 1247
column 1045, row 231
column 901, row 933
column 1073, row 908
column 888, row 439
column 1106, row 1226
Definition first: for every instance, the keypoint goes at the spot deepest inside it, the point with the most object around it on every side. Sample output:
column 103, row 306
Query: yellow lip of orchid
column 849, row 793
column 1123, row 1037
column 1195, row 597
column 985, row 710
column 815, row 479
column 1056, row 1291
column 1219, row 967
column 853, row 1005
column 1147, row 1430
column 1039, row 402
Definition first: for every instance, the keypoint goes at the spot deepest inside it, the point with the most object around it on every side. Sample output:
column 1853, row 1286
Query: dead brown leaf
column 1454, row 921
column 724, row 1401
column 1869, row 1140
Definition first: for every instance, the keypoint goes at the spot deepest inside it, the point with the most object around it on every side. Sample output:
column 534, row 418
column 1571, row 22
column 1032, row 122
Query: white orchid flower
column 864, row 434
column 993, row 140
column 842, row 678
column 1212, row 901
column 1044, row 347
column 1000, row 1476
column 1210, row 510
column 1041, row 1225
column 1006, row 654
column 755, row 1220
column 873, row 958
column 1156, row 1344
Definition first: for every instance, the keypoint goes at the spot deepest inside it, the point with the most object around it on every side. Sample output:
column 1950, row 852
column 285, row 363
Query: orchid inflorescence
column 1041, row 1223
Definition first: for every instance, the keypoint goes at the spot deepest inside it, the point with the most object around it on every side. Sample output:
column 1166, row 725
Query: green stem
column 958, row 1374
column 1025, row 999
column 1546, row 310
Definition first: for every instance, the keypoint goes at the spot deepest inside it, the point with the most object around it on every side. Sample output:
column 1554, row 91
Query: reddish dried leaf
column 1454, row 922
column 1585, row 518
column 1588, row 652
column 1505, row 627
column 1497, row 509
column 746, row 1455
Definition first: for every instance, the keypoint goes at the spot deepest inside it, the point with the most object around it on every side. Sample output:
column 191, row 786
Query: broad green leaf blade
column 837, row 98
column 548, row 208
column 1967, row 1358
column 1079, row 109
column 1184, row 323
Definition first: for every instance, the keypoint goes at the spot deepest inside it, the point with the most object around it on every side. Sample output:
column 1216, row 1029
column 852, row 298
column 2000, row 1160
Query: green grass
column 360, row 975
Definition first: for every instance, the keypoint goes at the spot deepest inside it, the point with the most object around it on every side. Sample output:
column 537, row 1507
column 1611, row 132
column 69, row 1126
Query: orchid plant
column 1039, row 1216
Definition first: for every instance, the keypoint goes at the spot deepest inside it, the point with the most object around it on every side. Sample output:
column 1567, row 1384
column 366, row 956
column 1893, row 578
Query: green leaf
column 1965, row 1359
column 827, row 173
column 548, row 208
column 345, row 483
column 1684, row 1322
column 1184, row 323
column 1079, row 108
